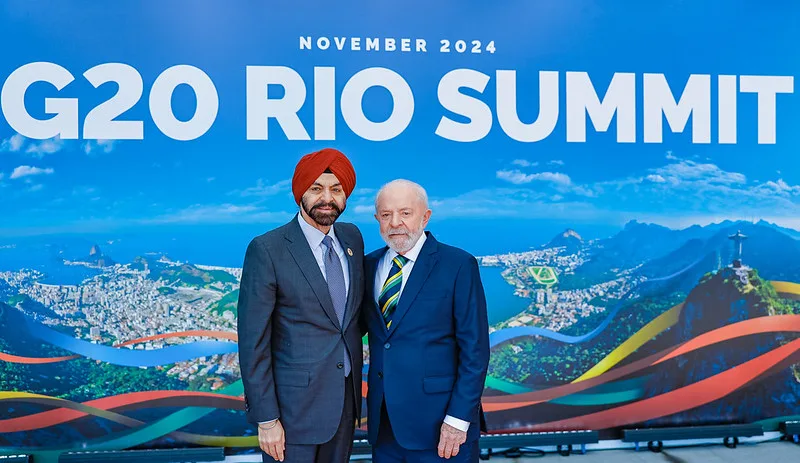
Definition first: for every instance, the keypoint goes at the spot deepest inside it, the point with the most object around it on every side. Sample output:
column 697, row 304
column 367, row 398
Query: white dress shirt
column 382, row 272
column 314, row 237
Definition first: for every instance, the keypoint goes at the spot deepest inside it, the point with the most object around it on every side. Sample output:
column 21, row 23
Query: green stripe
column 390, row 286
column 388, row 303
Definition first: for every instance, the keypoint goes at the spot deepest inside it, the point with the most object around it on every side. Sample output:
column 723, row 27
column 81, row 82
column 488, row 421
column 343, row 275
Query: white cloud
column 559, row 181
column 522, row 203
column 364, row 191
column 686, row 192
column 556, row 162
column 44, row 147
column 780, row 188
column 692, row 172
column 26, row 171
column 36, row 187
column 682, row 176
column 12, row 144
column 672, row 157
column 261, row 189
column 364, row 209
column 518, row 178
column 220, row 213
column 553, row 177
column 524, row 163
column 514, row 176
column 96, row 146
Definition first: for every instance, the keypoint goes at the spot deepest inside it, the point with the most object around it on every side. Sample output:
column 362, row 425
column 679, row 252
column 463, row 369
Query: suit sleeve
column 256, row 305
column 472, row 336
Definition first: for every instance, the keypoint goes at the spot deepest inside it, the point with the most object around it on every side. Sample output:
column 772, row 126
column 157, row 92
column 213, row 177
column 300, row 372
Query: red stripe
column 685, row 398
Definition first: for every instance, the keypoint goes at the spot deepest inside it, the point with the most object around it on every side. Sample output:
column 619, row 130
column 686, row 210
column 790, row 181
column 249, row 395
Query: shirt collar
column 313, row 235
column 413, row 253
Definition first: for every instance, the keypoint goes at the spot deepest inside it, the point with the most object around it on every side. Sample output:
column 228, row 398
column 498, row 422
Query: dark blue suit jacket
column 433, row 360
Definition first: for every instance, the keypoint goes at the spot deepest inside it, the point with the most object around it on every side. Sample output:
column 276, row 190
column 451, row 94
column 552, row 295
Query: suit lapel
column 419, row 274
column 372, row 271
column 301, row 252
column 351, row 270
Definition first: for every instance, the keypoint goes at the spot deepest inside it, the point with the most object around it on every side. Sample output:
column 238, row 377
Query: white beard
column 402, row 243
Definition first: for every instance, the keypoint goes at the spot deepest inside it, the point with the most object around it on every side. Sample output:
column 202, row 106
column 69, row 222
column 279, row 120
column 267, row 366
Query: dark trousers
column 387, row 450
column 336, row 450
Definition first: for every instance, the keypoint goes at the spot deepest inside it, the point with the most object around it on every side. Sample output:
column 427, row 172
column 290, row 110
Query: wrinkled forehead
column 399, row 197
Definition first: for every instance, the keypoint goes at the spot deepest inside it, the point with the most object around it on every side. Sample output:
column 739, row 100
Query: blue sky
column 222, row 181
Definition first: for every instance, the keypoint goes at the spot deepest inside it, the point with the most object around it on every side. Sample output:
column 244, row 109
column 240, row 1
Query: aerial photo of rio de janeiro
column 131, row 325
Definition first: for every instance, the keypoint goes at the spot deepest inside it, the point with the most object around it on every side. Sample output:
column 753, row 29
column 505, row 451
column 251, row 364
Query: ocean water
column 47, row 257
column 48, row 260
column 501, row 302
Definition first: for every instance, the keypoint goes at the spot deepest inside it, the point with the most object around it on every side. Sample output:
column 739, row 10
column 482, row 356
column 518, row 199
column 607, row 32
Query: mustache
column 398, row 231
column 331, row 204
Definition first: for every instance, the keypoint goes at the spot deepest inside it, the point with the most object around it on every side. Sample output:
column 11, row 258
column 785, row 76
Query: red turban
column 312, row 165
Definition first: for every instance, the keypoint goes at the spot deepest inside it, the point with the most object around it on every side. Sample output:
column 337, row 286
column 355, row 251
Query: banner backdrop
column 625, row 172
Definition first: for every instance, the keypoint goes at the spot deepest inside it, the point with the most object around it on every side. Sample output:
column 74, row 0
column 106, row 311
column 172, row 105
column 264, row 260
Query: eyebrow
column 335, row 184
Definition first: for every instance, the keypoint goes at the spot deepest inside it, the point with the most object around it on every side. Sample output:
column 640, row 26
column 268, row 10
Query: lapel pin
column 349, row 252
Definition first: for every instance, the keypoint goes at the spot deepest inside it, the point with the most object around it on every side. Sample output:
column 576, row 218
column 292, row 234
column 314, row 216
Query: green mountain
column 228, row 302
column 186, row 275
column 721, row 299
column 569, row 239
column 775, row 255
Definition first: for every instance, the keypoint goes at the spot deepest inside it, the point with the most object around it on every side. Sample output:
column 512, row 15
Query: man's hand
column 450, row 439
column 271, row 439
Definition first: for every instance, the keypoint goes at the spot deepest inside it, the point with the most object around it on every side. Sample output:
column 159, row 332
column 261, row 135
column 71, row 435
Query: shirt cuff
column 267, row 422
column 461, row 425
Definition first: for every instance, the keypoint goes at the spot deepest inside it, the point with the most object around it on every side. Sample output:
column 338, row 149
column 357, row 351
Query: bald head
column 401, row 208
column 405, row 188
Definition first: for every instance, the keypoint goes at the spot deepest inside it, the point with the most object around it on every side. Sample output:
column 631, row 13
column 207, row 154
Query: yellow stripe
column 658, row 325
column 11, row 395
column 388, row 301
column 648, row 332
column 786, row 287
column 390, row 280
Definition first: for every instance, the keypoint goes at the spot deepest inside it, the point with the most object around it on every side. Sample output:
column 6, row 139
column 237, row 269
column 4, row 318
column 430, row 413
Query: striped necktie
column 391, row 289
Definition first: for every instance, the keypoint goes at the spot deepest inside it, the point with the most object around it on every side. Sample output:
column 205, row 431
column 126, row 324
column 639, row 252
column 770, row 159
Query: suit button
column 380, row 375
column 387, row 345
column 340, row 365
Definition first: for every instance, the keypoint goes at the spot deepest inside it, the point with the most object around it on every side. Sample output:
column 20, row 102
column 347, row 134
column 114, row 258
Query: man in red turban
column 300, row 349
column 327, row 169
column 312, row 165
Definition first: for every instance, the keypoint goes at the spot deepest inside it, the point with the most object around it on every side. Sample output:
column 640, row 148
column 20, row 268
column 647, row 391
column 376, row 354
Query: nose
column 395, row 221
column 327, row 196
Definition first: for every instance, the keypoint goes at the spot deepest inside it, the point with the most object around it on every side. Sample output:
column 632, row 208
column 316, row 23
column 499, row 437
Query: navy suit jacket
column 432, row 362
